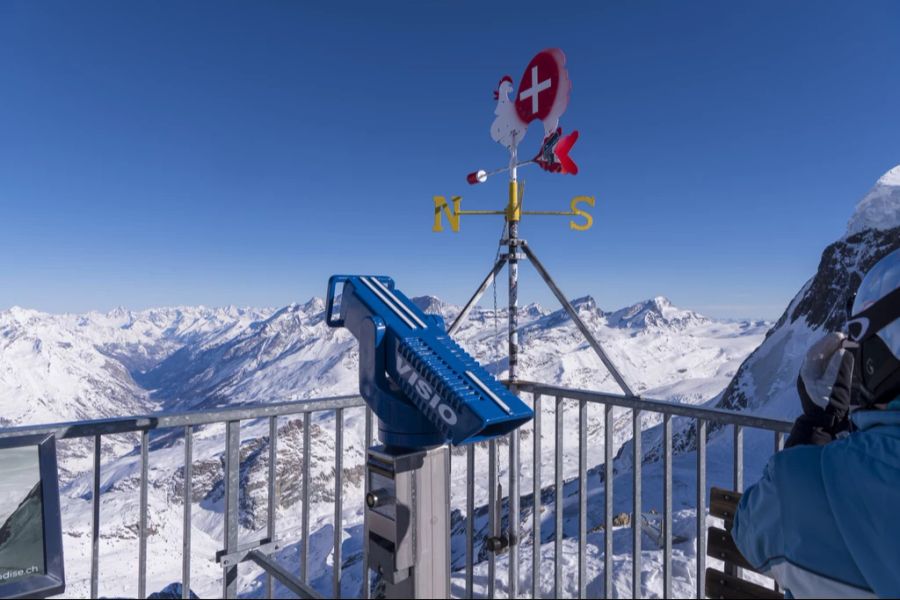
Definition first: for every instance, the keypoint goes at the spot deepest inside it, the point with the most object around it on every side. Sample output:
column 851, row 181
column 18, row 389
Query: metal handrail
column 717, row 415
column 77, row 429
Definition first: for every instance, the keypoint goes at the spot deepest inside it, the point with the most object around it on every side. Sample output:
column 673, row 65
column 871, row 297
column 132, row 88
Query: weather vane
column 543, row 94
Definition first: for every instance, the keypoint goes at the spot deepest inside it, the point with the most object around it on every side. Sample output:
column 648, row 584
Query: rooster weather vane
column 542, row 95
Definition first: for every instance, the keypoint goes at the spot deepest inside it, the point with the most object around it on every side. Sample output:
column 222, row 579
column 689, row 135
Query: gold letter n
column 440, row 203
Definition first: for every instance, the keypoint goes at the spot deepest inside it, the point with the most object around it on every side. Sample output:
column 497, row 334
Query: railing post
column 738, row 459
column 701, row 508
column 779, row 446
column 493, row 514
column 95, row 522
column 582, row 499
column 470, row 520
column 366, row 591
column 667, row 506
column 558, row 512
column 636, row 520
column 738, row 447
column 608, row 476
column 513, row 531
column 232, row 490
column 272, row 493
column 536, row 505
column 338, row 499
column 187, row 498
column 304, row 513
column 142, row 528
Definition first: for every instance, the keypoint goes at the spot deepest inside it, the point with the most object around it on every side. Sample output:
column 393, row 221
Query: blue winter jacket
column 823, row 520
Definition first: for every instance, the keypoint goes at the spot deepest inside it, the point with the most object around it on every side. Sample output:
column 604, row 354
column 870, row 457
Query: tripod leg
column 477, row 296
column 574, row 314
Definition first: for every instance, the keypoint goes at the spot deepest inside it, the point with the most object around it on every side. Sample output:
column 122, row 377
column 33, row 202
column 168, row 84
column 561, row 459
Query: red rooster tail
column 562, row 153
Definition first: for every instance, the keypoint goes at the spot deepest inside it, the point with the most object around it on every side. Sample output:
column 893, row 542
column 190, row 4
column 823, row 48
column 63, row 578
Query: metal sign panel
column 31, row 559
column 538, row 87
column 544, row 89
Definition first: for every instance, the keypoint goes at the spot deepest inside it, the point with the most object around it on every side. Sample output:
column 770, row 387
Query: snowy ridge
column 880, row 208
column 658, row 313
column 73, row 367
column 766, row 381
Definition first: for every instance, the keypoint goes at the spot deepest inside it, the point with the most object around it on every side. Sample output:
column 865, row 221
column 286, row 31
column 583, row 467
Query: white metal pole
column 512, row 240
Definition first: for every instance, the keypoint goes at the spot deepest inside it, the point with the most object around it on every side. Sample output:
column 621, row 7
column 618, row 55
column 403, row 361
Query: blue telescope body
column 424, row 388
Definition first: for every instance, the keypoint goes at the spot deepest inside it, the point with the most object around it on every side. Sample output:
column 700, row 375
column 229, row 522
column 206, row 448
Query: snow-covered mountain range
column 71, row 367
column 68, row 367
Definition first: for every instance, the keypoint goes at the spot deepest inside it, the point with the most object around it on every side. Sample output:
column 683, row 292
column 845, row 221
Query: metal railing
column 233, row 552
column 701, row 417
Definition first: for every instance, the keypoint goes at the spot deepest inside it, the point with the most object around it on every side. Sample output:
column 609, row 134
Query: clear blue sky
column 183, row 153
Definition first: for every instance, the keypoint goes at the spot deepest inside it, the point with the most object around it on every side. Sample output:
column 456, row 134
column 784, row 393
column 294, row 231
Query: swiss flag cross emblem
column 543, row 95
column 538, row 87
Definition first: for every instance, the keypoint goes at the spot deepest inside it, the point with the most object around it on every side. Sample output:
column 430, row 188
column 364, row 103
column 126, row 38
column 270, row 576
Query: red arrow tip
column 562, row 153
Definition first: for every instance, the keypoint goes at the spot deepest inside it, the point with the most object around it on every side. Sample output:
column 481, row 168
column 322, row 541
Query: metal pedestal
column 408, row 521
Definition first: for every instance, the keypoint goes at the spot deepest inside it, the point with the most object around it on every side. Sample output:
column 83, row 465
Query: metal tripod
column 515, row 245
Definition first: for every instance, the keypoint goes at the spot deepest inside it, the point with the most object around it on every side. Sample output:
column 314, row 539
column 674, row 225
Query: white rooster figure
column 507, row 129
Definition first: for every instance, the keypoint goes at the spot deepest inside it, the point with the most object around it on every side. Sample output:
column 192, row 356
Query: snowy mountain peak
column 585, row 302
column 880, row 208
column 656, row 312
column 287, row 314
column 313, row 305
column 533, row 310
column 429, row 304
column 892, row 177
column 20, row 315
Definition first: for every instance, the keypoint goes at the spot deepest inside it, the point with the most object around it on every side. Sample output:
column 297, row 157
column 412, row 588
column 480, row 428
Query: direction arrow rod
column 481, row 175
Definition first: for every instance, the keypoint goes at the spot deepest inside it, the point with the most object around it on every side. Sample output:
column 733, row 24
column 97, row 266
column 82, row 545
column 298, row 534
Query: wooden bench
column 728, row 582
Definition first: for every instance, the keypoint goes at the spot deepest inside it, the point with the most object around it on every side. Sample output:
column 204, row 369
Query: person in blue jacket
column 822, row 520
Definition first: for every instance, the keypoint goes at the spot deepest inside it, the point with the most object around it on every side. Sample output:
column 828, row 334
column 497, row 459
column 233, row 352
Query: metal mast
column 513, row 214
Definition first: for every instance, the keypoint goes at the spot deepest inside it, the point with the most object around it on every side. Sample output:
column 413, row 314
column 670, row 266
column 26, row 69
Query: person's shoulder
column 798, row 457
column 796, row 473
column 864, row 449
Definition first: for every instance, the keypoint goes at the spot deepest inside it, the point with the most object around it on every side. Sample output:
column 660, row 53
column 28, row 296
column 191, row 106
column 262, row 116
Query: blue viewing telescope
column 424, row 388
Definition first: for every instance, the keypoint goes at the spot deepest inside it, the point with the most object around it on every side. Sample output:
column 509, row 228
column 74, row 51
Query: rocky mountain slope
column 765, row 382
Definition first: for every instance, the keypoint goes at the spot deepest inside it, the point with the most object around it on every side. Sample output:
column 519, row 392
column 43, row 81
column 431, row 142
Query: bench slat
column 721, row 585
column 723, row 504
column 720, row 544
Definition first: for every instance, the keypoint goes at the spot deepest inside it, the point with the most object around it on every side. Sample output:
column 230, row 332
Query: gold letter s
column 589, row 220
